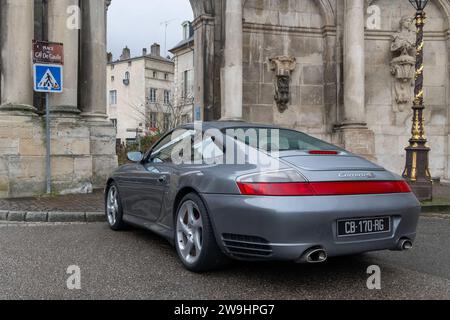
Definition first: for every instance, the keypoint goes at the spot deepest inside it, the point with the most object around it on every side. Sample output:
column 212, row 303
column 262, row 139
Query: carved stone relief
column 403, row 65
column 283, row 67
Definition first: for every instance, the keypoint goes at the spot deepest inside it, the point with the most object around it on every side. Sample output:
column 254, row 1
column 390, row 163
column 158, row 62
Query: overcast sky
column 137, row 24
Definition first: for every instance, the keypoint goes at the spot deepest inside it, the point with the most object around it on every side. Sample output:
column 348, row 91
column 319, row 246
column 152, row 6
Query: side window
column 162, row 153
column 207, row 149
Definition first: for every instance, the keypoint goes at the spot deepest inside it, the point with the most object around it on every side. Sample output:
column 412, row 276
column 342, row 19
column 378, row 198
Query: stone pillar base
column 65, row 111
column 423, row 190
column 103, row 149
column 71, row 159
column 22, row 153
column 83, row 154
column 18, row 109
column 357, row 139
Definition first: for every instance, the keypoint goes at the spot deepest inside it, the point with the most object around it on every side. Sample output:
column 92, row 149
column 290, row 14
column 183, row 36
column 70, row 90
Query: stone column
column 354, row 64
column 204, row 66
column 92, row 92
column 353, row 133
column 59, row 31
column 232, row 72
column 17, row 29
column 93, row 60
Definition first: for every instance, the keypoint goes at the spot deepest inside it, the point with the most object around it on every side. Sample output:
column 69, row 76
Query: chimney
column 109, row 57
column 144, row 51
column 126, row 54
column 156, row 50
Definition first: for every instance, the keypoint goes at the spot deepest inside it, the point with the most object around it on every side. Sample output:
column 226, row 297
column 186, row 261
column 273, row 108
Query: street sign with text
column 48, row 52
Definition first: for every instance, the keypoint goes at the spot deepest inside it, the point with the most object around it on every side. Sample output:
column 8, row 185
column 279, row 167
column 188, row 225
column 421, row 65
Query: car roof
column 220, row 125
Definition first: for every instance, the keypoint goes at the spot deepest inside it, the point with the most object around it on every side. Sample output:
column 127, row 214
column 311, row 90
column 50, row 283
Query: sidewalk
column 70, row 208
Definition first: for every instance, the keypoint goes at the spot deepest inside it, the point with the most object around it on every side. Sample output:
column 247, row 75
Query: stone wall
column 392, row 127
column 312, row 32
column 81, row 155
column 293, row 29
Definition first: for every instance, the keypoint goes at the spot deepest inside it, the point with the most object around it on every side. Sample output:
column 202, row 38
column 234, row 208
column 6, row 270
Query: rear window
column 286, row 140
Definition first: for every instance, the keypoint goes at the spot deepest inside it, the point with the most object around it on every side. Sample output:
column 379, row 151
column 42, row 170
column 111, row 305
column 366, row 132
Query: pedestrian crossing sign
column 48, row 78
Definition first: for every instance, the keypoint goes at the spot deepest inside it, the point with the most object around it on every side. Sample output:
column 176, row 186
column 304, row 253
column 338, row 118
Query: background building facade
column 183, row 86
column 140, row 93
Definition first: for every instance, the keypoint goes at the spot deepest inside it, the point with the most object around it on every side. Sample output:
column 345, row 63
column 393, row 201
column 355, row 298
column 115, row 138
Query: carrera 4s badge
column 367, row 175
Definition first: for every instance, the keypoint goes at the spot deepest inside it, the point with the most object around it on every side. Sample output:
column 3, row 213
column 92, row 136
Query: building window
column 113, row 97
column 155, row 74
column 112, row 67
column 166, row 122
column 114, row 122
column 166, row 76
column 126, row 80
column 152, row 96
column 153, row 120
column 129, row 63
column 166, row 97
column 186, row 30
column 185, row 118
column 130, row 141
column 187, row 83
column 112, row 78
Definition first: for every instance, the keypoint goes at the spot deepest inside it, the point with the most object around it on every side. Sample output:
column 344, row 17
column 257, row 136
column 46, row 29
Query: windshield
column 273, row 139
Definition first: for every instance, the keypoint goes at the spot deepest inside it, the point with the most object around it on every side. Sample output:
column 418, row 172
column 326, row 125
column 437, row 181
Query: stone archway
column 328, row 12
column 201, row 7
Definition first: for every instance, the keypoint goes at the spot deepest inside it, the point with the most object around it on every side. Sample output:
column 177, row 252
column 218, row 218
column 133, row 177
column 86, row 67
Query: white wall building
column 139, row 93
column 183, row 86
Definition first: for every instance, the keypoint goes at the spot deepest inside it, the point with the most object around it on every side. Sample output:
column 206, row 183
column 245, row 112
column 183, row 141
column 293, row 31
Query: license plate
column 354, row 227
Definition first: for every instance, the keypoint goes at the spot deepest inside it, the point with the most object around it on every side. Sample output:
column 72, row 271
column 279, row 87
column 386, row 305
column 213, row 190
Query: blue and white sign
column 48, row 78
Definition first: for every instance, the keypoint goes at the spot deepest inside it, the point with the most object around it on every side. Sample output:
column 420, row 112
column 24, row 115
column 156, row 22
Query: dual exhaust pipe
column 319, row 255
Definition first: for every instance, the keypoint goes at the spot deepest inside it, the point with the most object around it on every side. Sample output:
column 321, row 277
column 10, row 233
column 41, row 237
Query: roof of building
column 220, row 125
column 148, row 56
column 182, row 44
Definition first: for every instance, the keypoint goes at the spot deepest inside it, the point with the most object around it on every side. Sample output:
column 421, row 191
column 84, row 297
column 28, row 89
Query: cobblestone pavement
column 70, row 203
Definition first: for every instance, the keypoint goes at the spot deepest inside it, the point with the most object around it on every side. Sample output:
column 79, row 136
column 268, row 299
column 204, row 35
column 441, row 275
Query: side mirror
column 135, row 156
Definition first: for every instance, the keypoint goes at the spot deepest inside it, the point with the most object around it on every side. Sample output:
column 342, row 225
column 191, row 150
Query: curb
column 60, row 216
column 51, row 216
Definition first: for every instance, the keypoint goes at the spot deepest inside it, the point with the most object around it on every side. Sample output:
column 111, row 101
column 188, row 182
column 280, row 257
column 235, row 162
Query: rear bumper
column 283, row 228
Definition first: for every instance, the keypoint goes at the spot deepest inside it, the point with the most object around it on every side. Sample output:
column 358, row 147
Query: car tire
column 208, row 255
column 113, row 208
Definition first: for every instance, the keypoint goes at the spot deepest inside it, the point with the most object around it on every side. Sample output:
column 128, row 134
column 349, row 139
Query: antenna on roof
column 166, row 24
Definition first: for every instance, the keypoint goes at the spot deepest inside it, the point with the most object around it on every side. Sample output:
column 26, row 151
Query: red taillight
column 324, row 188
column 276, row 189
column 323, row 152
column 360, row 187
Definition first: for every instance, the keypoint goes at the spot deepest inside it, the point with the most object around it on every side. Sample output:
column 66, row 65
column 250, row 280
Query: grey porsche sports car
column 221, row 190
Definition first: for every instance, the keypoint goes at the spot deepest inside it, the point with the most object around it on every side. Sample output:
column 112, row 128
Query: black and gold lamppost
column 417, row 171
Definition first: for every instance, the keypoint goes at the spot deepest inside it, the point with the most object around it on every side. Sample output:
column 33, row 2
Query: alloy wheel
column 189, row 232
column 112, row 205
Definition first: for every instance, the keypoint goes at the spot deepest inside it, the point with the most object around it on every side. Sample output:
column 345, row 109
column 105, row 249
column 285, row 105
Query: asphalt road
column 138, row 265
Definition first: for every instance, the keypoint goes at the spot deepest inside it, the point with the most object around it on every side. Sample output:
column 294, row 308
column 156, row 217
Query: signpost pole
column 48, row 61
column 48, row 145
